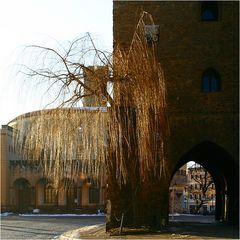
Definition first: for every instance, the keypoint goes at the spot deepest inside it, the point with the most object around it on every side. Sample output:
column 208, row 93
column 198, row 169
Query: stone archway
column 225, row 172
column 22, row 192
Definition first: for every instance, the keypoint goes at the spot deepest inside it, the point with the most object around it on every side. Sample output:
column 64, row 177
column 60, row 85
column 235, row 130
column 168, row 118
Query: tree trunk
column 124, row 195
column 198, row 207
column 142, row 203
column 147, row 207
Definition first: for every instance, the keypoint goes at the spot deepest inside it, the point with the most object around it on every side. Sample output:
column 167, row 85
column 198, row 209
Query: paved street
column 180, row 227
column 192, row 218
column 28, row 228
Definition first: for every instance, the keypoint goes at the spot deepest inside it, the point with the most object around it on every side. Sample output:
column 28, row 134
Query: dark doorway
column 71, row 194
column 23, row 194
column 71, row 197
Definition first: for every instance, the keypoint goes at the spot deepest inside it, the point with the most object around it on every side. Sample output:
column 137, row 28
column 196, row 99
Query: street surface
column 192, row 218
column 29, row 228
column 49, row 227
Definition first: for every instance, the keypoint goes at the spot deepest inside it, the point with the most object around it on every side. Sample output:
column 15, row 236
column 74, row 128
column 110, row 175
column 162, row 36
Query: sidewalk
column 88, row 232
column 176, row 230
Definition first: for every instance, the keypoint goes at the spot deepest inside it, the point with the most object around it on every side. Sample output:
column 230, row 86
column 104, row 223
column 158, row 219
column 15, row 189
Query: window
column 94, row 194
column 209, row 11
column 50, row 195
column 210, row 81
column 151, row 33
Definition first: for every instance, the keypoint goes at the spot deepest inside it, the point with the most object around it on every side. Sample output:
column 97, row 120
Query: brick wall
column 186, row 47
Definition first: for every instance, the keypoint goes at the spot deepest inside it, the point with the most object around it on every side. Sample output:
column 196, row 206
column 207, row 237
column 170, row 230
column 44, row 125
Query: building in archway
column 178, row 191
column 192, row 190
column 201, row 190
column 24, row 187
column 198, row 47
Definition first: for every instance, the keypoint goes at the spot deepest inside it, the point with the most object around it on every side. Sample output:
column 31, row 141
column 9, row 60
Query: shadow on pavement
column 212, row 230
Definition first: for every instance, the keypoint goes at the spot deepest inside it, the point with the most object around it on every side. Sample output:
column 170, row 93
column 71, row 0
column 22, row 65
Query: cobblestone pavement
column 29, row 228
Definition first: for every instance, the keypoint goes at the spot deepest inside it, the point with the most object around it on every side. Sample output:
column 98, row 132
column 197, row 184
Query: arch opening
column 22, row 194
column 46, row 195
column 225, row 174
column 69, row 188
column 192, row 193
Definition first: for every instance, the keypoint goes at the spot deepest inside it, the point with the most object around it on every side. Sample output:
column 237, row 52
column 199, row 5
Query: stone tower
column 198, row 48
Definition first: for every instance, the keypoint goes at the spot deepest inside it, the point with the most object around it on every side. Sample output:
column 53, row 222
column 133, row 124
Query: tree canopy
column 128, row 129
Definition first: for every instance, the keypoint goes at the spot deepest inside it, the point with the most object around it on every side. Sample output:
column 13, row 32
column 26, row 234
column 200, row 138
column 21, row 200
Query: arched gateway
column 219, row 163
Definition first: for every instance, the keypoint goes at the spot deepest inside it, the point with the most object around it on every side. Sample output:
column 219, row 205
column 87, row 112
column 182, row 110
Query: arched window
column 50, row 195
column 211, row 81
column 209, row 11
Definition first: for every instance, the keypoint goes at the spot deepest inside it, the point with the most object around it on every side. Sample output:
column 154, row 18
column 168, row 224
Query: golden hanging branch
column 123, row 131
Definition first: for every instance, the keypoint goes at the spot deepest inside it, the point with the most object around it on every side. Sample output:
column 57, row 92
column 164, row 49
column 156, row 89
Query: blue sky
column 47, row 23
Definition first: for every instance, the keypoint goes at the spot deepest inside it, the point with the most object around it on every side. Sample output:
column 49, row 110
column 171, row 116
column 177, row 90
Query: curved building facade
column 24, row 187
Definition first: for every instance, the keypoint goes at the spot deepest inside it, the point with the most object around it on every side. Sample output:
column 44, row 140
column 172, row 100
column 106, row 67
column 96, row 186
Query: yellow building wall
column 15, row 171
column 4, row 170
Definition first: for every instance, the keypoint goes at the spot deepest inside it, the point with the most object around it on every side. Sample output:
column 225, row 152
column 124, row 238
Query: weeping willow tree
column 125, row 140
